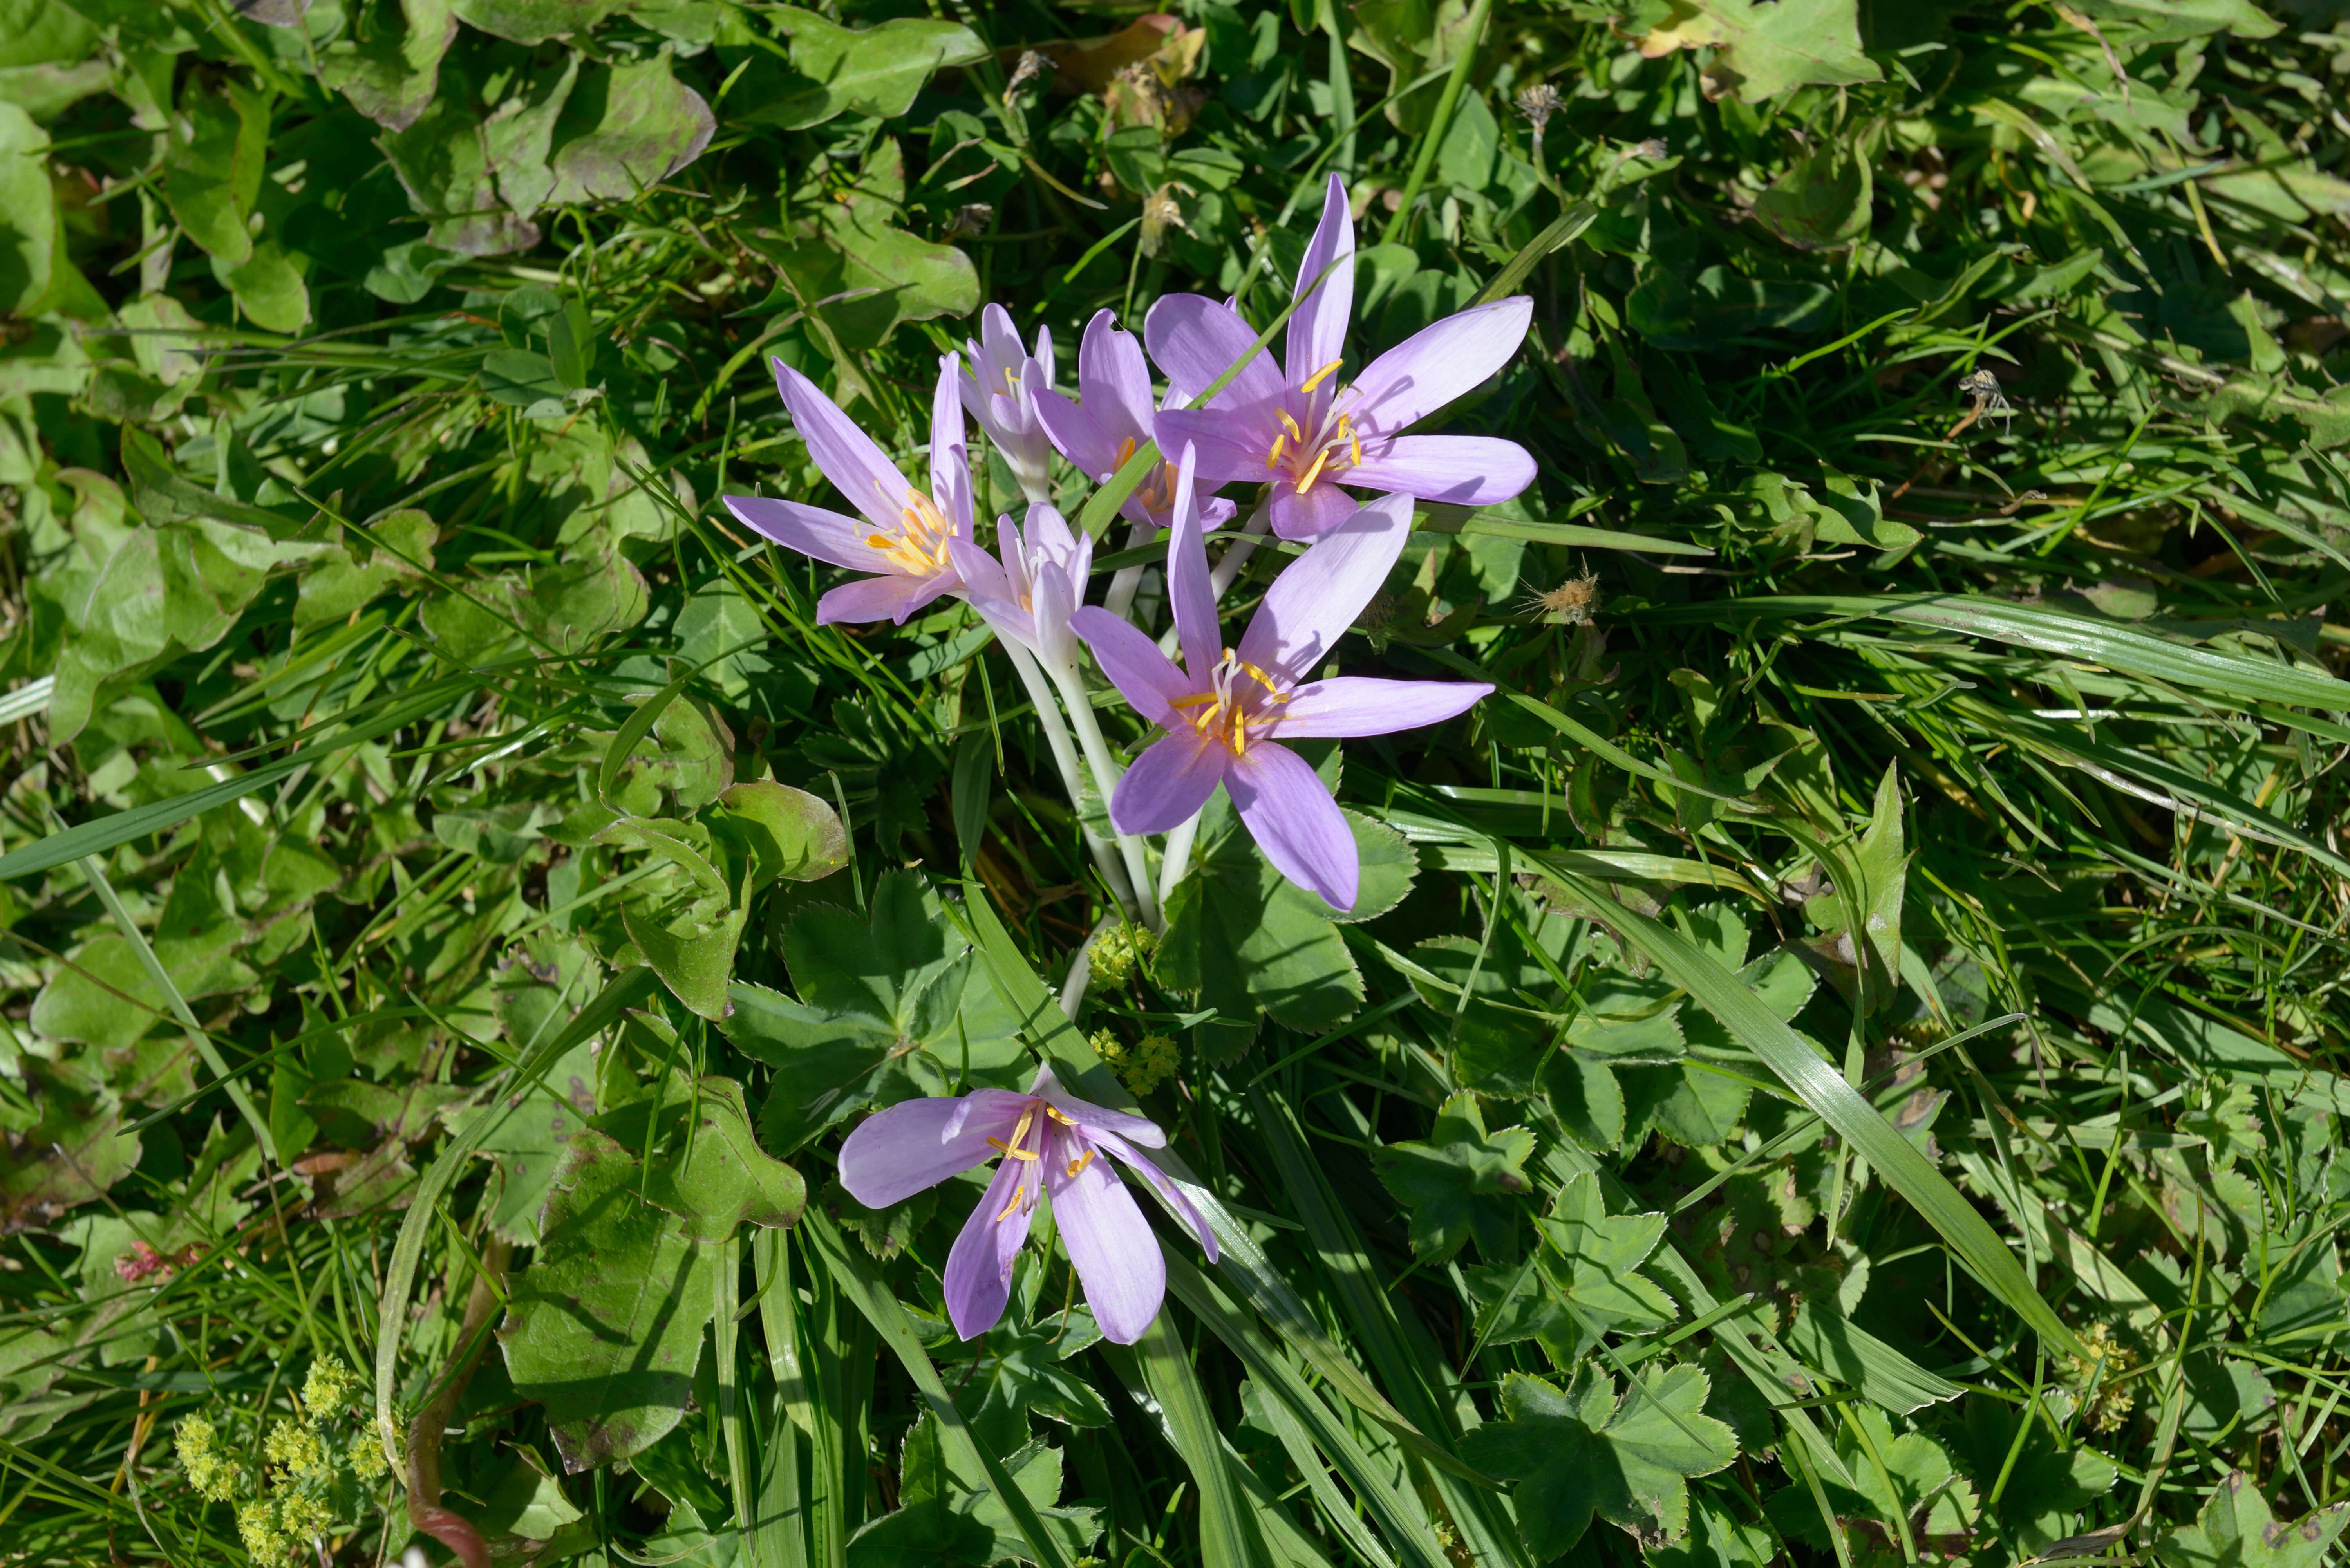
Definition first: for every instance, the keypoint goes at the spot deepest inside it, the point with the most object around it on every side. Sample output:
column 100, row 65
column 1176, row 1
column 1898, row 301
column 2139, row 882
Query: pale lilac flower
column 1050, row 1141
column 1001, row 390
column 906, row 530
column 1031, row 586
column 1227, row 709
column 1305, row 429
column 1111, row 419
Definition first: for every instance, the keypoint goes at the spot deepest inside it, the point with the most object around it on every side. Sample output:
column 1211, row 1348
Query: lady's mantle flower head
column 329, row 1387
column 216, row 1477
column 1305, row 428
column 1000, row 391
column 1111, row 419
column 904, row 535
column 1050, row 1141
column 1226, row 710
column 1031, row 586
column 1142, row 1066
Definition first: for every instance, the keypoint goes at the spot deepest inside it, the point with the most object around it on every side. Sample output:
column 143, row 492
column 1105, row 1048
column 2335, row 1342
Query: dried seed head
column 1573, row 602
column 1538, row 102
column 971, row 220
column 1032, row 66
column 1982, row 387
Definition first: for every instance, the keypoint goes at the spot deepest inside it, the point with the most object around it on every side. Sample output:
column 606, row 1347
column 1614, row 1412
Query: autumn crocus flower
column 1111, row 419
column 1305, row 427
column 1227, row 709
column 1048, row 1141
column 905, row 531
column 1001, row 390
column 1028, row 589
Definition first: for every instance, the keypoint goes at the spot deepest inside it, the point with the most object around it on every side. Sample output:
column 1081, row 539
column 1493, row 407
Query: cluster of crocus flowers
column 1311, row 437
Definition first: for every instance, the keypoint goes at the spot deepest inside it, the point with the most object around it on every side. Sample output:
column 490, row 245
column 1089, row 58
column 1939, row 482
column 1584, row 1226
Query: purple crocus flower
column 1000, row 392
column 1050, row 1141
column 1227, row 709
column 1112, row 420
column 906, row 530
column 1307, row 429
column 1031, row 586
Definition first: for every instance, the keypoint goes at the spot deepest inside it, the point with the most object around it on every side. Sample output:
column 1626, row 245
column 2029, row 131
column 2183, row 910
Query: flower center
column 1330, row 447
column 1242, row 702
column 1024, row 1191
column 1156, row 493
column 918, row 547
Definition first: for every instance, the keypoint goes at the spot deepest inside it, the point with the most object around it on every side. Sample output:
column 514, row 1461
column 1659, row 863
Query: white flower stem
column 1228, row 566
column 1119, row 601
column 1106, row 772
column 1176, row 859
column 1064, row 758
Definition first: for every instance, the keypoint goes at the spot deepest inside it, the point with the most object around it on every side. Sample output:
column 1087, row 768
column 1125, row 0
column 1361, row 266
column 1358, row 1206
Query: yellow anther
column 1059, row 1116
column 1125, row 450
column 1319, row 376
column 1280, row 443
column 1011, row 1208
column 1291, row 426
column 1306, row 481
column 1078, row 1165
column 1355, row 447
column 1014, row 1153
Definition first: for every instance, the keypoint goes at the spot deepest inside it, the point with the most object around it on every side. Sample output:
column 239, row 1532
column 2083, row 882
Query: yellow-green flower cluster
column 256, row 1521
column 329, row 1387
column 297, row 1451
column 2116, row 1396
column 214, row 1476
column 1142, row 1066
column 1116, row 952
column 365, row 1457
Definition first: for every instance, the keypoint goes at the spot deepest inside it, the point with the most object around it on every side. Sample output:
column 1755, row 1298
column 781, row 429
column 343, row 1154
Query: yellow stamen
column 1314, row 473
column 1291, row 426
column 1056, row 1113
column 1014, row 1153
column 1077, row 1166
column 1279, row 442
column 1011, row 1208
column 1125, row 450
column 1355, row 447
column 1319, row 376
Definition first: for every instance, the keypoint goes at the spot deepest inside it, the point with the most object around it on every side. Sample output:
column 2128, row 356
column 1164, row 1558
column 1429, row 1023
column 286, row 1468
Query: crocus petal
column 917, row 1143
column 1194, row 339
column 1361, row 705
column 1049, row 535
column 1000, row 338
column 979, row 1269
column 1465, row 470
column 882, row 598
column 1078, row 435
column 1116, row 1253
column 1318, row 328
column 1145, row 676
column 983, row 584
column 1311, row 604
column 1191, row 589
column 1312, row 514
column 849, row 457
column 1296, row 823
column 1052, row 601
column 811, row 530
column 1437, row 364
column 1095, row 1119
column 1112, row 1144
column 1114, row 379
column 950, row 458
column 1169, row 784
column 1229, row 444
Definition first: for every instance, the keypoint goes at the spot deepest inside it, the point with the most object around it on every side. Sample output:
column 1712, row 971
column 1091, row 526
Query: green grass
column 371, row 640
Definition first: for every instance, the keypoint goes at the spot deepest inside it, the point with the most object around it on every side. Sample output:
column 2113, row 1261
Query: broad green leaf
column 388, row 72
column 1761, row 50
column 623, row 129
column 443, row 163
column 213, row 165
column 533, row 21
column 837, row 71
column 28, row 211
column 605, row 1328
column 1462, row 1181
column 268, row 287
column 2236, row 1529
column 1822, row 200
column 721, row 1179
column 1594, row 1259
column 788, row 832
column 1582, row 1451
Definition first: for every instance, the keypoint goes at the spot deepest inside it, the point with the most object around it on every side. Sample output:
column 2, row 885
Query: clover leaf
column 1582, row 1450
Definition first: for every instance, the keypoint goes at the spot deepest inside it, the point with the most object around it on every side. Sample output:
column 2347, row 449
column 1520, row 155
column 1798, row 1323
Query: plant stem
column 1064, row 758
column 1106, row 772
column 1176, row 859
column 1119, row 600
column 1425, row 158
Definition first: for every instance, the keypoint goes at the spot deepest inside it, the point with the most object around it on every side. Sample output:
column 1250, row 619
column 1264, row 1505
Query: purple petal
column 858, row 468
column 1077, row 435
column 1052, row 602
column 1194, row 339
column 1309, row 516
column 1360, row 705
column 1000, row 339
column 1098, row 1120
column 1169, row 782
column 979, row 1269
column 882, row 598
column 1049, row 535
column 950, row 458
column 1230, row 444
column 917, row 1143
column 1296, row 823
column 984, row 585
column 1190, row 590
column 1116, row 1253
column 812, row 531
column 1113, row 1144
column 1467, row 471
column 1145, row 676
column 1435, row 365
column 1315, row 600
column 1114, row 379
column 1317, row 329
